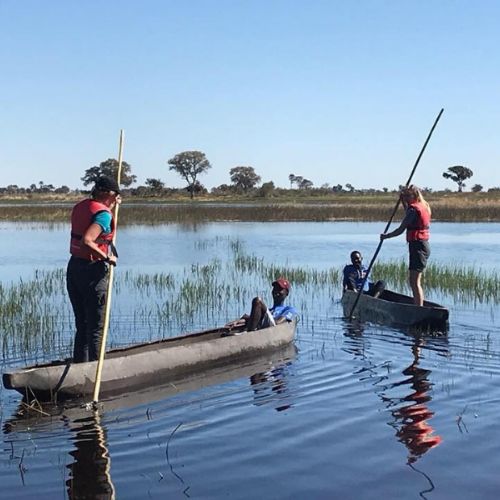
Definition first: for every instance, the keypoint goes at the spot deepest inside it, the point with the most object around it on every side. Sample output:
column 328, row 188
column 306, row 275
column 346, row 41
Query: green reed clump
column 32, row 312
column 461, row 282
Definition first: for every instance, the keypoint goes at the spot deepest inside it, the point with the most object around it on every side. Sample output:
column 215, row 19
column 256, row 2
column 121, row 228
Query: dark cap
column 283, row 283
column 106, row 183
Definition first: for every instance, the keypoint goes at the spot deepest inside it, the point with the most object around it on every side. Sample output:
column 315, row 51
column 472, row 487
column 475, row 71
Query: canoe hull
column 146, row 364
column 395, row 309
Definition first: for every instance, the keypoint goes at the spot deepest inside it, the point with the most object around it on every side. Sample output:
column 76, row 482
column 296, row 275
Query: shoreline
column 455, row 207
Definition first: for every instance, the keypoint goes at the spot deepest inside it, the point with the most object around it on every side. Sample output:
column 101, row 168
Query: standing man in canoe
column 416, row 224
column 92, row 252
column 261, row 316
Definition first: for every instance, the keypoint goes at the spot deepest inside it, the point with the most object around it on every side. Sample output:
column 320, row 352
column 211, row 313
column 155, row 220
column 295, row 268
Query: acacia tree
column 190, row 164
column 109, row 168
column 244, row 178
column 458, row 174
column 291, row 178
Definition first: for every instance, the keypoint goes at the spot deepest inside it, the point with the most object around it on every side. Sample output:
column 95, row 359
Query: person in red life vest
column 92, row 252
column 416, row 224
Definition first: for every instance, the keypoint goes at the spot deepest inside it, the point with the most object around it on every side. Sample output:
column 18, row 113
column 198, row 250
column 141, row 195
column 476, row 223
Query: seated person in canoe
column 261, row 316
column 355, row 273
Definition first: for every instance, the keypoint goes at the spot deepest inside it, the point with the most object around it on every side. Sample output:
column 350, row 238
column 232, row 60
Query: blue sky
column 335, row 91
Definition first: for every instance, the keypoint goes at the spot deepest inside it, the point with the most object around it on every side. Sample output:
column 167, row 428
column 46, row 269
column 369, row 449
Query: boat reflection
column 90, row 472
column 410, row 411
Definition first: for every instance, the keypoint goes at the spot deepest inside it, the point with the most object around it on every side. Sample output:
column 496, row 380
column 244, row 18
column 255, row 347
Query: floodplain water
column 351, row 411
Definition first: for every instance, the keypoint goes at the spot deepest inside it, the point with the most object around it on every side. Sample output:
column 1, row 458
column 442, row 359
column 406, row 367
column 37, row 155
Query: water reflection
column 271, row 387
column 410, row 411
column 89, row 473
column 411, row 418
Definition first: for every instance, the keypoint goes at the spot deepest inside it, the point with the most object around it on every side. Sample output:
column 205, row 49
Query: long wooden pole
column 360, row 291
column 107, row 310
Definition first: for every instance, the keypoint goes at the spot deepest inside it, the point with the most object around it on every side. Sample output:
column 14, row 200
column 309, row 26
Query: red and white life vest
column 419, row 230
column 81, row 219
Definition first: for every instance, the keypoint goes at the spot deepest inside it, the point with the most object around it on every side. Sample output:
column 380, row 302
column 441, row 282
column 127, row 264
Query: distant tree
column 155, row 186
column 190, row 164
column 325, row 185
column 244, row 178
column 45, row 188
column 291, row 178
column 458, row 174
column 476, row 188
column 350, row 188
column 110, row 169
column 62, row 190
column 266, row 190
column 196, row 188
column 305, row 183
column 222, row 189
column 385, row 190
column 337, row 189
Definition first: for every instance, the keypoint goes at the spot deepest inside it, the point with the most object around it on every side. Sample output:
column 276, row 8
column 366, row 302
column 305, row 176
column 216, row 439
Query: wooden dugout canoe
column 152, row 363
column 395, row 309
column 27, row 418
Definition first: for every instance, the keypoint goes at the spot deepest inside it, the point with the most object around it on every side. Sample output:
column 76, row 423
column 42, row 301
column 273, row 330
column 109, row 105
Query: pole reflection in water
column 89, row 475
column 271, row 386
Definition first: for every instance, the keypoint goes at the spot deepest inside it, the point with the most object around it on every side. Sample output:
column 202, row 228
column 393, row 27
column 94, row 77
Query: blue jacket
column 353, row 277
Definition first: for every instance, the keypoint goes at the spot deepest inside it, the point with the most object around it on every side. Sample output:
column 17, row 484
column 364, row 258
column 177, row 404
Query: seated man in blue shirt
column 355, row 273
column 261, row 316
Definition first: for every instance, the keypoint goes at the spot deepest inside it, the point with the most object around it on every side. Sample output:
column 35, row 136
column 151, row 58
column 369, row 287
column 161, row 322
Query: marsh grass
column 451, row 208
column 36, row 321
column 465, row 284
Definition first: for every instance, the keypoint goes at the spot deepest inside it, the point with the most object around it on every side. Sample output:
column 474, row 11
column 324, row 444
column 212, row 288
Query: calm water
column 355, row 411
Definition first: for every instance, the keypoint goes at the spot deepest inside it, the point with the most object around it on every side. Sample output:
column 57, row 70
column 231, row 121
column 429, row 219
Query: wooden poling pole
column 360, row 291
column 107, row 310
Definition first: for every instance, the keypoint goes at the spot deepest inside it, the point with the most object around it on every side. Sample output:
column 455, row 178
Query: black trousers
column 87, row 282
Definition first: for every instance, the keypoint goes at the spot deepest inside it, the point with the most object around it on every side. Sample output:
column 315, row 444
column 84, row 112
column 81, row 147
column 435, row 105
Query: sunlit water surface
column 354, row 411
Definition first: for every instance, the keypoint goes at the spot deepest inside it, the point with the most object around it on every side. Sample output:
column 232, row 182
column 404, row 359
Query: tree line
column 190, row 165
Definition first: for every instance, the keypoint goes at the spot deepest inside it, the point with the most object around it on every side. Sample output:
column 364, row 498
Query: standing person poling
column 416, row 224
column 92, row 252
column 354, row 275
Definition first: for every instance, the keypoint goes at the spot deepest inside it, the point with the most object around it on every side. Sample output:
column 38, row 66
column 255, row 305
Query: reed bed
column 454, row 210
column 464, row 284
column 36, row 321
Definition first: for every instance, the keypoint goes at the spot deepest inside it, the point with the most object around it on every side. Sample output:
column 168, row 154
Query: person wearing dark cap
column 92, row 252
column 261, row 316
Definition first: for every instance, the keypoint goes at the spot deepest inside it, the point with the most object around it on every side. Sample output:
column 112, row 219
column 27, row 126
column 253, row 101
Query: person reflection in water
column 271, row 387
column 415, row 432
column 89, row 475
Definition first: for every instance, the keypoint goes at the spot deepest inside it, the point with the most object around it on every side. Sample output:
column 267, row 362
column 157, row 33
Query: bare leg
column 416, row 287
column 257, row 313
